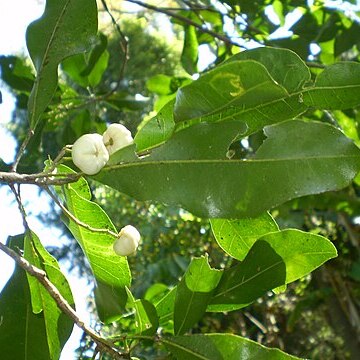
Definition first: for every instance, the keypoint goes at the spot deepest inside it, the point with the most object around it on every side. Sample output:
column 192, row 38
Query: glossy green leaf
column 262, row 270
column 189, row 56
column 284, row 66
column 66, row 28
column 290, row 163
column 220, row 347
column 337, row 87
column 156, row 130
column 197, row 142
column 23, row 334
column 41, row 300
column 256, row 117
column 194, row 293
column 237, row 236
column 146, row 318
column 244, row 84
column 277, row 259
column 111, row 272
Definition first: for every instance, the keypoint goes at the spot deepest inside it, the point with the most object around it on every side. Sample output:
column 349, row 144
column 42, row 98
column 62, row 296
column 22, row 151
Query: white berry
column 127, row 241
column 89, row 153
column 116, row 137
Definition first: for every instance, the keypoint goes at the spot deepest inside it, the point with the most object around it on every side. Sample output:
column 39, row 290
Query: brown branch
column 38, row 179
column 185, row 20
column 76, row 220
column 40, row 275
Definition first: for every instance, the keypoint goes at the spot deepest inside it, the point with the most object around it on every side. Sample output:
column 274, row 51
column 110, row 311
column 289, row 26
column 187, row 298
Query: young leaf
column 220, row 347
column 66, row 28
column 291, row 163
column 111, row 272
column 41, row 300
column 146, row 318
column 280, row 257
column 189, row 56
column 194, row 293
column 237, row 236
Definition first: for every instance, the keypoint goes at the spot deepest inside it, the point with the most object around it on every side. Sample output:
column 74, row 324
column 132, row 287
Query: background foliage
column 128, row 73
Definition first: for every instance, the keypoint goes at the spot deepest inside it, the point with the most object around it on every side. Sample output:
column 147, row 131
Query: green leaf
column 262, row 270
column 146, row 318
column 220, row 347
column 66, row 28
column 276, row 258
column 237, row 236
column 111, row 272
column 279, row 11
column 337, row 87
column 41, row 300
column 156, row 130
column 24, row 334
column 284, row 66
column 189, row 56
column 16, row 73
column 194, row 293
column 243, row 84
column 197, row 142
column 165, row 310
column 87, row 70
column 290, row 163
column 160, row 84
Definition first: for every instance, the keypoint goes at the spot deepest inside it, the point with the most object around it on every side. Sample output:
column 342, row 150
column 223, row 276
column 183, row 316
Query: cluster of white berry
column 91, row 152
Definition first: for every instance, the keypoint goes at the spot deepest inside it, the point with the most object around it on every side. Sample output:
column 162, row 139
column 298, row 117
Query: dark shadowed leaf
column 291, row 163
column 279, row 257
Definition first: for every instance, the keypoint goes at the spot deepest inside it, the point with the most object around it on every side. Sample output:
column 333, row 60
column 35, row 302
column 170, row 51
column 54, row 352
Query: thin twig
column 124, row 47
column 58, row 159
column 22, row 149
column 185, row 20
column 76, row 220
column 40, row 275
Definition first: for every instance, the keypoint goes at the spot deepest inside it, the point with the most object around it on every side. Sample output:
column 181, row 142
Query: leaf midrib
column 47, row 49
column 225, row 161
